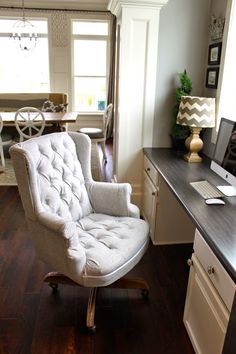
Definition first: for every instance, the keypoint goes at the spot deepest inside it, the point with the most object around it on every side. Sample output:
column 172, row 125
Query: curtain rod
column 50, row 9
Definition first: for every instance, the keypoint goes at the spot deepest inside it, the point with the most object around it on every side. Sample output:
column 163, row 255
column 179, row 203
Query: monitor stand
column 229, row 191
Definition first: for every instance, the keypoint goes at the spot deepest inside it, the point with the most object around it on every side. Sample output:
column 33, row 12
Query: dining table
column 55, row 118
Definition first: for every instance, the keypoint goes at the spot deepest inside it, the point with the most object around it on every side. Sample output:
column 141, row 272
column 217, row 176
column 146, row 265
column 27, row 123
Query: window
column 23, row 71
column 90, row 64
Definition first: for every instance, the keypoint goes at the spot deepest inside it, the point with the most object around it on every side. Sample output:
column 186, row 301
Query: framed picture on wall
column 214, row 53
column 212, row 77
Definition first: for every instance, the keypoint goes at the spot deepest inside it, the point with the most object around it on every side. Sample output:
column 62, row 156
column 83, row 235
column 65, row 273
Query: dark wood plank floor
column 34, row 321
column 107, row 168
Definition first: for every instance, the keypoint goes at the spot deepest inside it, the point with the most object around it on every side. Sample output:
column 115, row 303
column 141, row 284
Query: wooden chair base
column 55, row 278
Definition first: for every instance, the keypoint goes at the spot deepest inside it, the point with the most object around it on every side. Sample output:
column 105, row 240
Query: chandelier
column 24, row 33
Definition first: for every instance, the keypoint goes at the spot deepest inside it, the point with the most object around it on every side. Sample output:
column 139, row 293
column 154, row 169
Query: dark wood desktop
column 216, row 223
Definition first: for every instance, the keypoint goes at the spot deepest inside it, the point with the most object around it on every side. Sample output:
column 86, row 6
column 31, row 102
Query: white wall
column 183, row 44
column 218, row 9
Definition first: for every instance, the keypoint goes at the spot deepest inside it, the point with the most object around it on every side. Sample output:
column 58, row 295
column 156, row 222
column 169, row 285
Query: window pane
column 90, row 28
column 89, row 94
column 89, row 58
column 22, row 71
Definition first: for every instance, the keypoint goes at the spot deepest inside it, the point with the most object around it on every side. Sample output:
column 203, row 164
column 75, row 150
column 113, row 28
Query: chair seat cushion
column 113, row 245
column 93, row 133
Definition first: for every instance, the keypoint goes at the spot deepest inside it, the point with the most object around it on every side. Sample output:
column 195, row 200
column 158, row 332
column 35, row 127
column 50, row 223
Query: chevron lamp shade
column 196, row 112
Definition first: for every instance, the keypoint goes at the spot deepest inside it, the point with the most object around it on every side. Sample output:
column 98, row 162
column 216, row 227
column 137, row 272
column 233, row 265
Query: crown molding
column 115, row 6
column 99, row 5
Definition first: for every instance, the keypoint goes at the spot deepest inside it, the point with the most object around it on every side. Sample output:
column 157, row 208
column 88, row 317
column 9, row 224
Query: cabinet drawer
column 205, row 314
column 214, row 270
column 151, row 171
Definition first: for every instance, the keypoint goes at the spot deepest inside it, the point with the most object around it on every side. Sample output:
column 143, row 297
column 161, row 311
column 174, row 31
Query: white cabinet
column 149, row 203
column 150, row 195
column 209, row 300
column 169, row 223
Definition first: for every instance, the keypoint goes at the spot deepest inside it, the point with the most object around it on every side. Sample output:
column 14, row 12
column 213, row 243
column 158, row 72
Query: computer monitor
column 224, row 158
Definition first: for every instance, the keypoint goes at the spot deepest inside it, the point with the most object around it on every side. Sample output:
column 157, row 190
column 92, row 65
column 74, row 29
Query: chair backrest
column 107, row 117
column 51, row 171
column 29, row 122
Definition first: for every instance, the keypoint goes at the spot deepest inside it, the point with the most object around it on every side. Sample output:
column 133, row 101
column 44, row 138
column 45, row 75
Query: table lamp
column 197, row 113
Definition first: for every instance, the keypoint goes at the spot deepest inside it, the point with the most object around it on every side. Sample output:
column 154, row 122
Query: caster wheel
column 54, row 287
column 145, row 293
column 92, row 329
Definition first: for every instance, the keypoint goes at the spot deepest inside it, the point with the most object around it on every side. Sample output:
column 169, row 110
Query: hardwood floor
column 34, row 321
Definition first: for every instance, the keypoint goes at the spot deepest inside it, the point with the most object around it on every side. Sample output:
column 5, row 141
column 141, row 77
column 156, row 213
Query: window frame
column 92, row 38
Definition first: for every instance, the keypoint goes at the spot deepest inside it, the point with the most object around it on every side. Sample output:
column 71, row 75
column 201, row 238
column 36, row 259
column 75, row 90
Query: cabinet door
column 205, row 315
column 149, row 203
column 173, row 224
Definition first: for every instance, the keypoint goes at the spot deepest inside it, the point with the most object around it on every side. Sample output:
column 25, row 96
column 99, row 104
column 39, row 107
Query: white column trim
column 115, row 6
column 135, row 111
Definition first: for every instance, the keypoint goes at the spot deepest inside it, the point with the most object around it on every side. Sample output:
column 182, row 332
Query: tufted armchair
column 88, row 231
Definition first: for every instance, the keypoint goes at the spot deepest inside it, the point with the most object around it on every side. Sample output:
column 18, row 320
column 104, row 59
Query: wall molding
column 115, row 6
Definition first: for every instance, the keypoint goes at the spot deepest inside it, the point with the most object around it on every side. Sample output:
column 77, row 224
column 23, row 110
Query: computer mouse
column 215, row 201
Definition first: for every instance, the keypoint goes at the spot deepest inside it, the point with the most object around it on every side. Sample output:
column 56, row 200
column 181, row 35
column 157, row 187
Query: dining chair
column 99, row 135
column 5, row 140
column 88, row 231
column 29, row 122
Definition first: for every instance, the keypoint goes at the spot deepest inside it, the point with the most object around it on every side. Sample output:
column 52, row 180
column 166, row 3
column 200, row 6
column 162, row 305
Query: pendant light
column 24, row 33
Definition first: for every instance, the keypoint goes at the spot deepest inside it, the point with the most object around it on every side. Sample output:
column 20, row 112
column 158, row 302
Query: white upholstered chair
column 29, row 122
column 99, row 135
column 88, row 231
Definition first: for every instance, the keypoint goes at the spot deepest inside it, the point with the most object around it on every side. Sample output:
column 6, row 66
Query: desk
column 217, row 224
column 59, row 118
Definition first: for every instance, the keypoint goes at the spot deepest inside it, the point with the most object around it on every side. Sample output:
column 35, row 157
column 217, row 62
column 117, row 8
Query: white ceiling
column 59, row 4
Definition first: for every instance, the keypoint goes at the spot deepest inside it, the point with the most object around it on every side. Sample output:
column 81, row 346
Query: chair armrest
column 57, row 244
column 112, row 198
column 56, row 224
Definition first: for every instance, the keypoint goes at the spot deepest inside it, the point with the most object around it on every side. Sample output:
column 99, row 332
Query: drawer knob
column 189, row 262
column 210, row 270
column 148, row 169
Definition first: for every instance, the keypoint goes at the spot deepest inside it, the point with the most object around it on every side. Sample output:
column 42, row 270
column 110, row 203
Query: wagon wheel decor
column 29, row 122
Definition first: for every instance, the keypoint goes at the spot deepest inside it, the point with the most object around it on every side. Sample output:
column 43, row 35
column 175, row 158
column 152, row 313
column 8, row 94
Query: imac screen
column 225, row 151
column 224, row 160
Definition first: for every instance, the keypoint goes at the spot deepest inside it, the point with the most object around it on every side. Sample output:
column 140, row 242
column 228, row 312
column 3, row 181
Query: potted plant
column 179, row 132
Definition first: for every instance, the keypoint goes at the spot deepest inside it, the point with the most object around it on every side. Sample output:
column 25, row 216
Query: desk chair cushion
column 109, row 245
column 93, row 133
column 96, row 251
column 87, row 230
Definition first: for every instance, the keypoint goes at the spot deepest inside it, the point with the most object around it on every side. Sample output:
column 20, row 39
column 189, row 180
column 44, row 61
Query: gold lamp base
column 194, row 144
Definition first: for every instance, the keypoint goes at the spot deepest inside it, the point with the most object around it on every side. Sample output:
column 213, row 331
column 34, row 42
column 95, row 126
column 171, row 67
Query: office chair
column 88, row 231
column 99, row 135
column 29, row 122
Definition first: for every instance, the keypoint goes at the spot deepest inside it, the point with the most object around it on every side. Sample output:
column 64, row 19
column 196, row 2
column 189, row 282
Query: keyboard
column 207, row 190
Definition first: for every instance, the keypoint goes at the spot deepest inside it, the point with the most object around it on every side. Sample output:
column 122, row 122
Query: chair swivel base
column 55, row 278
